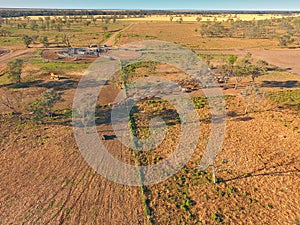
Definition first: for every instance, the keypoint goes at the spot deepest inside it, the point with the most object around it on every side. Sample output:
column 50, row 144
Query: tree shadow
column 108, row 137
column 232, row 114
column 256, row 173
column 282, row 84
column 60, row 85
column 103, row 116
column 92, row 83
column 244, row 119
column 21, row 85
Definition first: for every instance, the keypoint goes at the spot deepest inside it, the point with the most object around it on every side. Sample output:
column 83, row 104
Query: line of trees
column 56, row 23
column 286, row 30
column 65, row 40
column 62, row 12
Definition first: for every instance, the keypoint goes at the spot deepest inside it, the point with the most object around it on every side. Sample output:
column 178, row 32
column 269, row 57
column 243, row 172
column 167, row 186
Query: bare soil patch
column 51, row 55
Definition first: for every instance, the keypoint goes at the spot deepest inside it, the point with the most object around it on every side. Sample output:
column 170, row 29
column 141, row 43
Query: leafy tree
column 254, row 71
column 33, row 25
column 24, row 25
column 246, row 68
column 50, row 97
column 241, row 71
column 44, row 106
column 14, row 70
column 27, row 40
column 44, row 40
column 232, row 59
column 41, row 20
column 285, row 40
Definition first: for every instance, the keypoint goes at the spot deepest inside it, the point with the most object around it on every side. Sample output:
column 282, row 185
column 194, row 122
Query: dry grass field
column 219, row 18
column 185, row 34
column 45, row 179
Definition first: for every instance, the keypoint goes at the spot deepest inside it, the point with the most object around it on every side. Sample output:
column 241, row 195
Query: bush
column 217, row 217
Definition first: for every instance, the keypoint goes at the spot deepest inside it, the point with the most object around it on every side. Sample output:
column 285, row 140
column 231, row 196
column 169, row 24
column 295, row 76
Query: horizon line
column 135, row 9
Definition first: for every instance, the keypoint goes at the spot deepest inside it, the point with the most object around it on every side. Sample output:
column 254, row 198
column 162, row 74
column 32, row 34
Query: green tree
column 254, row 71
column 14, row 70
column 44, row 106
column 44, row 40
column 232, row 59
column 27, row 40
column 241, row 71
column 245, row 67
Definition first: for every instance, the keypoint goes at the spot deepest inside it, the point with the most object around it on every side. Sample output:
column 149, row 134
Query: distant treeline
column 14, row 12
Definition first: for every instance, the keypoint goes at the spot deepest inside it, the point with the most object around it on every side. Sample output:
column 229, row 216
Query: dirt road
column 111, row 40
column 13, row 54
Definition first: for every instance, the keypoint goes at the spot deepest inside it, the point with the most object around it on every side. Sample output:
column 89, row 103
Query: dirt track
column 111, row 40
column 13, row 54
